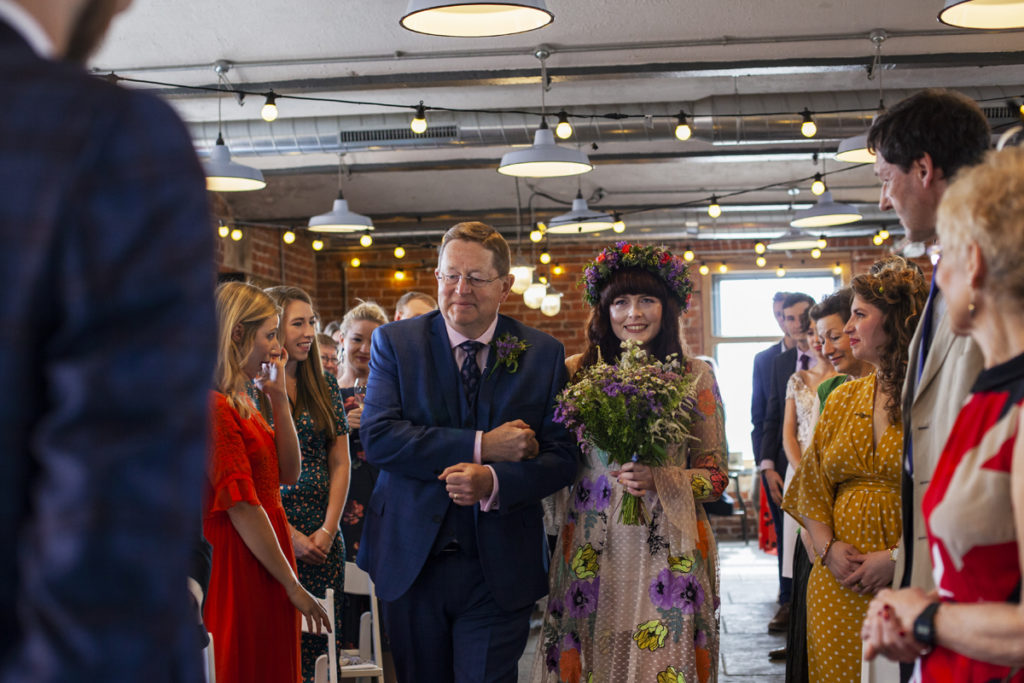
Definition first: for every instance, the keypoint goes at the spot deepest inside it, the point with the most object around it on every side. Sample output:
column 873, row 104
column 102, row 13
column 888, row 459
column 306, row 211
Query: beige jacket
column 929, row 411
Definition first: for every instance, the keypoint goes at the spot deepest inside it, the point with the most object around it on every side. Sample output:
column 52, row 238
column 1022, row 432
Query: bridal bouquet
column 632, row 411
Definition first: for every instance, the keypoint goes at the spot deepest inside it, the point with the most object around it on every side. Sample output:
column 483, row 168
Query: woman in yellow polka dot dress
column 847, row 490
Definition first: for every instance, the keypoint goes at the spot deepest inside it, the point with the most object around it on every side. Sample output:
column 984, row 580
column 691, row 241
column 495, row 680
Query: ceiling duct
column 764, row 119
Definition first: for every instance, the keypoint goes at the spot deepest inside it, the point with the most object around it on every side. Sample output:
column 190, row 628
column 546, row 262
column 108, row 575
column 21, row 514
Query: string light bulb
column 703, row 270
column 808, row 128
column 618, row 225
column 536, row 235
column 544, row 257
column 366, row 239
column 223, row 230
column 877, row 240
column 884, row 234
column 399, row 251
column 236, row 234
column 780, row 271
column 818, row 186
column 837, row 269
column 400, row 274
column 288, row 237
column 761, row 261
column 543, row 279
column 714, row 210
column 564, row 129
column 355, row 262
column 318, row 245
column 419, row 121
column 683, row 130
column 688, row 255
column 759, row 248
column 815, row 253
column 558, row 269
column 723, row 268
column 822, row 242
column 269, row 111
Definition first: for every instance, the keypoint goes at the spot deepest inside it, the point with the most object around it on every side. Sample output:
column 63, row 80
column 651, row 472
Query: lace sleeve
column 229, row 469
column 699, row 472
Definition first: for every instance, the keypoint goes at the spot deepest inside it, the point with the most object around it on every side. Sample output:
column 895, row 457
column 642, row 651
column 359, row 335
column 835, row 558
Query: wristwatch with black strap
column 924, row 625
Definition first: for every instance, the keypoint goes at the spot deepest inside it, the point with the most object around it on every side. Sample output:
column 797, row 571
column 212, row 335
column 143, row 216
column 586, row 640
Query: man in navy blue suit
column 458, row 417
column 106, row 356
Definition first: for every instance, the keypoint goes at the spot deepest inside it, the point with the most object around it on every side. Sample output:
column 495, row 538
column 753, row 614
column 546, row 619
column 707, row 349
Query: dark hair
column 836, row 303
column 899, row 291
column 794, row 298
column 780, row 296
column 600, row 337
column 948, row 126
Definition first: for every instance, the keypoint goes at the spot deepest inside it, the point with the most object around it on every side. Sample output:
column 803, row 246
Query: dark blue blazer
column 783, row 368
column 411, row 430
column 761, row 386
column 107, row 343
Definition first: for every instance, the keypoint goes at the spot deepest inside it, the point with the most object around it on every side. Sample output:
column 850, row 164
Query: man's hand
column 511, row 442
column 773, row 482
column 468, row 483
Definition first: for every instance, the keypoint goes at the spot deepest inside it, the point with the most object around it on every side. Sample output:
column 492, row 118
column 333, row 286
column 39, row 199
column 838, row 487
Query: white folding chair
column 357, row 582
column 326, row 670
column 208, row 664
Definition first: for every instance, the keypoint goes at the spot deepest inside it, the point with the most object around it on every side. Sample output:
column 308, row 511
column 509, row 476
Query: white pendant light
column 986, row 14
column 826, row 212
column 534, row 295
column 340, row 219
column 580, row 219
column 225, row 175
column 794, row 240
column 855, row 150
column 523, row 275
column 469, row 18
column 551, row 304
column 544, row 159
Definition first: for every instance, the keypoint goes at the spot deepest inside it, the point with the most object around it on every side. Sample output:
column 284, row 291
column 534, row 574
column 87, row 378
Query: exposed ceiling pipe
column 769, row 118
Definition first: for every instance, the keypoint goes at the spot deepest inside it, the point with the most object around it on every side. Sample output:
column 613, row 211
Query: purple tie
column 804, row 362
column 470, row 371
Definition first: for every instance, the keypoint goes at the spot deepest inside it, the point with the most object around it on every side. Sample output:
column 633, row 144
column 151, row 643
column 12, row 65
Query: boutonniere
column 507, row 351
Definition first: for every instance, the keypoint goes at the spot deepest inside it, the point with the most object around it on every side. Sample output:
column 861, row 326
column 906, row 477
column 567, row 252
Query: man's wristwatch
column 924, row 625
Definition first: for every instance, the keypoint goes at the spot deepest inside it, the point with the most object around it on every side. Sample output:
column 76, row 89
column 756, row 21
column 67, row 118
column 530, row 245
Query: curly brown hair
column 898, row 289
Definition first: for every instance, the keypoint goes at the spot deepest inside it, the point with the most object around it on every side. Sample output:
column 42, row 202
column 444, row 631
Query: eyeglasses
column 452, row 280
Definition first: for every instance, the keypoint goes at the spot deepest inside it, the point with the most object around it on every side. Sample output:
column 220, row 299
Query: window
column 742, row 324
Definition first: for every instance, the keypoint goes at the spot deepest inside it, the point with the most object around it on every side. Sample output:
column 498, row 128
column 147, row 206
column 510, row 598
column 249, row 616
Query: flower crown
column 656, row 260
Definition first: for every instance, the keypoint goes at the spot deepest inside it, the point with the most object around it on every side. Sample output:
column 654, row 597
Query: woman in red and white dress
column 971, row 629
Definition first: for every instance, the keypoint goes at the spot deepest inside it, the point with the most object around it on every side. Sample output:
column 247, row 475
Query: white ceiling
column 644, row 56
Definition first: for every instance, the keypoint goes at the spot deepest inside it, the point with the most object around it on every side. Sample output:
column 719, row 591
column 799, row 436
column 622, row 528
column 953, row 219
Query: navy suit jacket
column 106, row 355
column 783, row 368
column 411, row 430
column 761, row 385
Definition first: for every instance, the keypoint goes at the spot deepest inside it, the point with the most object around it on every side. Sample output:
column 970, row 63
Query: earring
column 971, row 308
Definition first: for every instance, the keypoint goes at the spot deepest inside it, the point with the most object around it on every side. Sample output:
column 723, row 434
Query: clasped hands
column 468, row 483
column 888, row 626
column 863, row 573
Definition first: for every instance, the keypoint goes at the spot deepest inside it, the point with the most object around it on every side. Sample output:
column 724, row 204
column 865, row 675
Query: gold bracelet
column 329, row 534
column 828, row 546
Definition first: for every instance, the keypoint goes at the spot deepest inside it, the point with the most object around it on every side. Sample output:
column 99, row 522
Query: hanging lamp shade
column 340, row 219
column 469, row 19
column 794, row 240
column 523, row 277
column 225, row 175
column 544, row 159
column 533, row 297
column 825, row 213
column 855, row 150
column 580, row 219
column 990, row 14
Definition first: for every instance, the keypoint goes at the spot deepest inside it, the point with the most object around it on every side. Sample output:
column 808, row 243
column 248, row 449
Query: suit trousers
column 448, row 628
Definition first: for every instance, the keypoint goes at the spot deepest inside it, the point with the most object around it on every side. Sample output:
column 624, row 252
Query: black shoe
column 777, row 655
column 780, row 622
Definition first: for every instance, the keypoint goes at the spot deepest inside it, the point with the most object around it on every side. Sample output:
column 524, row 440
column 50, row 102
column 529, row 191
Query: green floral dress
column 305, row 504
column 640, row 603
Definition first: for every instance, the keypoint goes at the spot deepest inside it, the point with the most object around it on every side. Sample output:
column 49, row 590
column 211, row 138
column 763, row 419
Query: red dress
column 255, row 628
column 968, row 514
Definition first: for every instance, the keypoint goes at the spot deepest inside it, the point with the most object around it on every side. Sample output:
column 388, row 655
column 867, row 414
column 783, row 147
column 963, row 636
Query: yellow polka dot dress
column 845, row 483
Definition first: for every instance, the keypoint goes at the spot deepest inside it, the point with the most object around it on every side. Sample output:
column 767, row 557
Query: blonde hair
column 484, row 235
column 238, row 305
column 311, row 392
column 985, row 204
column 367, row 311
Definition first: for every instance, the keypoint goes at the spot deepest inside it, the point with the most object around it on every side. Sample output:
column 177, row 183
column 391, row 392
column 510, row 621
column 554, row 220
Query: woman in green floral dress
column 638, row 603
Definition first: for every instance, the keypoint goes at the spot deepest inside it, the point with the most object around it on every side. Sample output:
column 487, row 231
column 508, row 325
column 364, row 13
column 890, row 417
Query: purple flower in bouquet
column 581, row 599
column 687, row 593
column 661, row 589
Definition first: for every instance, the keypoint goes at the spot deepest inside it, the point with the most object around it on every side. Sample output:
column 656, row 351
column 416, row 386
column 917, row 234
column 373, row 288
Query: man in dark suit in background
column 763, row 375
column 771, row 459
column 466, row 445
column 106, row 356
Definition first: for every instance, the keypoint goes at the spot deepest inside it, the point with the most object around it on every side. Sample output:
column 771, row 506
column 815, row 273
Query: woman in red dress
column 971, row 628
column 253, row 605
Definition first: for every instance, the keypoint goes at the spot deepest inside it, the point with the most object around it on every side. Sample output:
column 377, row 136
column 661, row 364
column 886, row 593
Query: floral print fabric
column 639, row 603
